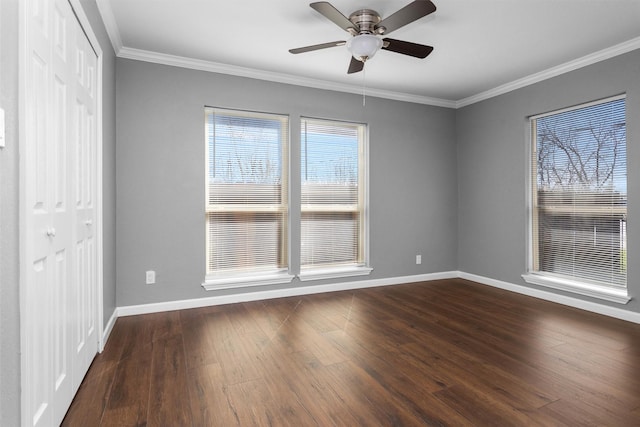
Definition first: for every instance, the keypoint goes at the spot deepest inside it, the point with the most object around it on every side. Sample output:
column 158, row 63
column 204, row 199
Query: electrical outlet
column 151, row 277
column 418, row 259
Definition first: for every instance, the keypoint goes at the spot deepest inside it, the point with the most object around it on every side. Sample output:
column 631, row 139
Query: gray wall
column 9, row 276
column 492, row 142
column 160, row 175
column 9, row 199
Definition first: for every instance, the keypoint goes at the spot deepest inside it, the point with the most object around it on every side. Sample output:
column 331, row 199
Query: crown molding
column 121, row 51
column 217, row 67
column 110, row 24
column 593, row 58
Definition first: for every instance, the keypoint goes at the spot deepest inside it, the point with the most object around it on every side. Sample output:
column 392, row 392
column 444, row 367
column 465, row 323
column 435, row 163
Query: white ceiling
column 482, row 47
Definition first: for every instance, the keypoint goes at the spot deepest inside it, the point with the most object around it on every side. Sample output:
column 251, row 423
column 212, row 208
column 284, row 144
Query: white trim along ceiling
column 107, row 9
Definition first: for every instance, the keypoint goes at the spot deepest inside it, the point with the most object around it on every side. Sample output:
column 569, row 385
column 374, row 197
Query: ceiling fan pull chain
column 364, row 87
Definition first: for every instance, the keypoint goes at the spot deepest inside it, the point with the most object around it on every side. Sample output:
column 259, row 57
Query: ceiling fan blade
column 317, row 46
column 406, row 48
column 332, row 14
column 355, row 66
column 411, row 12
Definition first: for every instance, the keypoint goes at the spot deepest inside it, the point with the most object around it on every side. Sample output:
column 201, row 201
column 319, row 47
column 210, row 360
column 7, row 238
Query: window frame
column 547, row 279
column 237, row 278
column 361, row 266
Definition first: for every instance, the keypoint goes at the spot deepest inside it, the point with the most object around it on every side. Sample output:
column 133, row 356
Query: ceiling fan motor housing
column 365, row 20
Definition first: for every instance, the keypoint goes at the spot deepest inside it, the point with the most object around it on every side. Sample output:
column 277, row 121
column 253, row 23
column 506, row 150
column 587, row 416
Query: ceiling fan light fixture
column 364, row 46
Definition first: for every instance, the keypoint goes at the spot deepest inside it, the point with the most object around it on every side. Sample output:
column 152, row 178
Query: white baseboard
column 108, row 328
column 594, row 307
column 131, row 310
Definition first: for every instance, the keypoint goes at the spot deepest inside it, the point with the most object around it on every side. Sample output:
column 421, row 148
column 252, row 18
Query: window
column 246, row 198
column 333, row 199
column 579, row 200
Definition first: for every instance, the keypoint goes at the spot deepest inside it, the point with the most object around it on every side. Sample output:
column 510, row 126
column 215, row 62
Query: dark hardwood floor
column 447, row 352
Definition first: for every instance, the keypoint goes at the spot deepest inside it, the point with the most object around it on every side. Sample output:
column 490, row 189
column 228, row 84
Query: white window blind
column 332, row 193
column 246, row 191
column 579, row 203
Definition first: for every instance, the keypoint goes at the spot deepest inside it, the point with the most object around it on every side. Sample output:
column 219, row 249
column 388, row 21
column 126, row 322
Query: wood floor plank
column 438, row 359
column 371, row 404
column 140, row 336
column 238, row 357
column 604, row 369
column 129, row 396
column 273, row 318
column 414, row 391
column 199, row 343
column 318, row 318
column 209, row 397
column 315, row 342
column 441, row 353
column 258, row 403
column 165, row 325
column 335, row 306
column 358, row 341
column 91, row 400
column 167, row 405
column 572, row 413
column 92, row 397
column 270, row 315
column 309, row 381
column 242, row 322
column 481, row 409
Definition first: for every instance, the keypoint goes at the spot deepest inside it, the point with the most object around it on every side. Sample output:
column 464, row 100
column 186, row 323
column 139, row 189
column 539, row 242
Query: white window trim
column 580, row 287
column 229, row 279
column 333, row 273
column 607, row 293
column 245, row 280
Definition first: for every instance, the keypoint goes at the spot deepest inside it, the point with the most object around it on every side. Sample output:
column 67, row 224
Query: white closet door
column 59, row 336
column 84, row 206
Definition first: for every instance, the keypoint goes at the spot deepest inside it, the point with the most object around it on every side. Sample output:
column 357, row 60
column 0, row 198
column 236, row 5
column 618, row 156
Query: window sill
column 616, row 295
column 214, row 283
column 333, row 273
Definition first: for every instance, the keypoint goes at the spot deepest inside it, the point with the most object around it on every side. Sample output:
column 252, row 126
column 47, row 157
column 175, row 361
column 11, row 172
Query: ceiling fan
column 366, row 26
